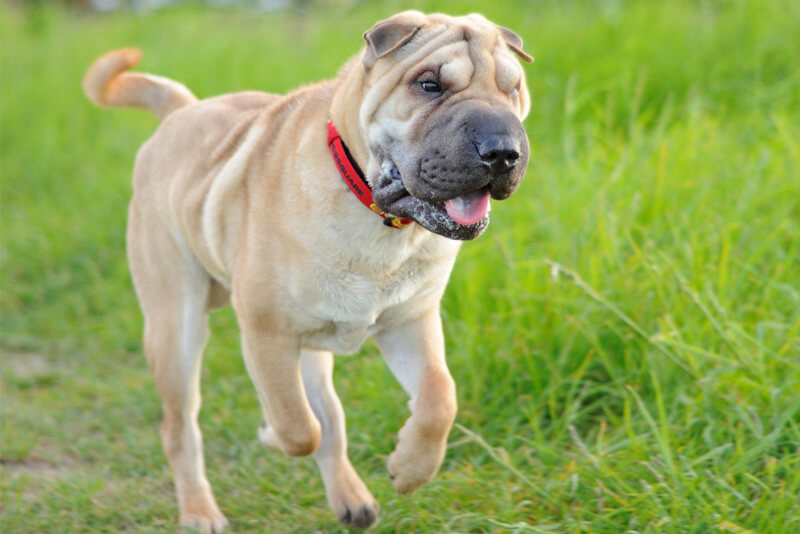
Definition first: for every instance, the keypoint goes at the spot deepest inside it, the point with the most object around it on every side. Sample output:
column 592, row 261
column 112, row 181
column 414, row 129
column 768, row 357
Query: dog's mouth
column 464, row 216
column 469, row 208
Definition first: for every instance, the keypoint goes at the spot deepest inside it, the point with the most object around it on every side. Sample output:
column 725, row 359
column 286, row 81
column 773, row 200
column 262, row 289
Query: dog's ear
column 514, row 42
column 389, row 35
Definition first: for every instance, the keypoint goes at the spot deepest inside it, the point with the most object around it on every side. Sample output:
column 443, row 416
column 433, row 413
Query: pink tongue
column 468, row 209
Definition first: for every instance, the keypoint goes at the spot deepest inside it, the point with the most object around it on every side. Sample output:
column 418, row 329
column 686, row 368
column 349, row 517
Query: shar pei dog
column 326, row 216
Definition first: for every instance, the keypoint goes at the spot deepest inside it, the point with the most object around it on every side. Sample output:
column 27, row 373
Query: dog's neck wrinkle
column 346, row 117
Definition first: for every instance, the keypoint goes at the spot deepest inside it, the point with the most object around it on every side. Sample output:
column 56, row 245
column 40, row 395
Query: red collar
column 354, row 178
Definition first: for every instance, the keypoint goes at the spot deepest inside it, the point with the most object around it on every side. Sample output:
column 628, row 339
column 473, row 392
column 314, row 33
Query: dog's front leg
column 273, row 362
column 415, row 354
column 347, row 495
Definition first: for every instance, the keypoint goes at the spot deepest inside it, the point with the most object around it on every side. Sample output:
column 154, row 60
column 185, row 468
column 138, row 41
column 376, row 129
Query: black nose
column 499, row 153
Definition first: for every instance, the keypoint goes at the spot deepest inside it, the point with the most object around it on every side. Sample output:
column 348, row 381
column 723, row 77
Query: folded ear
column 514, row 42
column 389, row 35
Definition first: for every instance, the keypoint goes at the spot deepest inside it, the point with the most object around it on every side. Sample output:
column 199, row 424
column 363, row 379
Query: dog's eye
column 431, row 87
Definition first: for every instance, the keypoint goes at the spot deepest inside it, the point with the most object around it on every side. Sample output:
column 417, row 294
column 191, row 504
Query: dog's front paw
column 213, row 524
column 351, row 501
column 415, row 461
column 199, row 510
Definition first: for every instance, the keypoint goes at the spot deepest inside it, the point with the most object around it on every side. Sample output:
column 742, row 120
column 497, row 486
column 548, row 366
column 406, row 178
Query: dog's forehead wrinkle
column 383, row 81
column 454, row 58
column 423, row 37
column 480, row 54
column 508, row 71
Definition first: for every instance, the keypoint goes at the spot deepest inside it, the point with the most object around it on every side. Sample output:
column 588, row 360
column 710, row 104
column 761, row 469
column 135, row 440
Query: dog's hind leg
column 174, row 292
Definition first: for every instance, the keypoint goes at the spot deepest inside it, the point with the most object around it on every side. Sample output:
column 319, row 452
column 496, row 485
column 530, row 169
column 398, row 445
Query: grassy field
column 625, row 336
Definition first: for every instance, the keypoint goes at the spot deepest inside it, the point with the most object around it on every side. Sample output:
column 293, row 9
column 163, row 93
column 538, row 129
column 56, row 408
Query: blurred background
column 256, row 6
column 625, row 336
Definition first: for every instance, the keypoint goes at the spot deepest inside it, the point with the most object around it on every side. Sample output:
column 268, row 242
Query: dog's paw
column 351, row 501
column 360, row 516
column 212, row 524
column 414, row 463
column 408, row 474
column 199, row 510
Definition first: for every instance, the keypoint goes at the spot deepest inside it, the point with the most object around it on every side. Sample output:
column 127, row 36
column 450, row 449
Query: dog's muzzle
column 463, row 161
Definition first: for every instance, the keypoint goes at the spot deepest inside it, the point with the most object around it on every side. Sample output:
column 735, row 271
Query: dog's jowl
column 326, row 216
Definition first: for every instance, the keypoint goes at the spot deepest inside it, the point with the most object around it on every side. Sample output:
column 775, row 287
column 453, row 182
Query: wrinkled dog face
column 443, row 109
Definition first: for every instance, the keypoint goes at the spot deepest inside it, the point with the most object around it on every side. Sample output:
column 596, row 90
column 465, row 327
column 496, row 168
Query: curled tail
column 107, row 84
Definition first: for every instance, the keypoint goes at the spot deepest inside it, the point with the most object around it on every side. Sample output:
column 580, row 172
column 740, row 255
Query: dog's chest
column 344, row 303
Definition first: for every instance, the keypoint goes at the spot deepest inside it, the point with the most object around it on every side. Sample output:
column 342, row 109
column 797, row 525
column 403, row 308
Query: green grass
column 625, row 337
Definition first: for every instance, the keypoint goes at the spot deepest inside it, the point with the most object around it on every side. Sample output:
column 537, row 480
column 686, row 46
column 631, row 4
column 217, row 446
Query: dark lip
column 439, row 204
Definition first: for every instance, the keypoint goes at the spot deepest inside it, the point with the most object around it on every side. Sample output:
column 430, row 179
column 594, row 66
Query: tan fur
column 237, row 197
column 106, row 84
